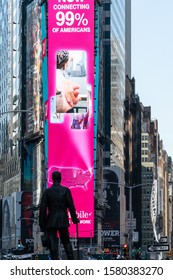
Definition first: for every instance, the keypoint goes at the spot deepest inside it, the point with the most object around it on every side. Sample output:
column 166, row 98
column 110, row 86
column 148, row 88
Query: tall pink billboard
column 71, row 103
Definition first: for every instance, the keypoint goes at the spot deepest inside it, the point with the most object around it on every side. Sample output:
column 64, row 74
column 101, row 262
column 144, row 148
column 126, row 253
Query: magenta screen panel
column 71, row 103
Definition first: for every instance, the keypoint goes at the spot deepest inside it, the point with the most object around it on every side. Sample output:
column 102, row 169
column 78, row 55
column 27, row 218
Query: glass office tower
column 9, row 95
column 117, row 81
column 10, row 121
column 117, row 53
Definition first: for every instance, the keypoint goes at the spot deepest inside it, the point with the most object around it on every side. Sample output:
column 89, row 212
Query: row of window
column 145, row 137
column 147, row 235
column 145, row 159
column 145, row 145
column 146, row 221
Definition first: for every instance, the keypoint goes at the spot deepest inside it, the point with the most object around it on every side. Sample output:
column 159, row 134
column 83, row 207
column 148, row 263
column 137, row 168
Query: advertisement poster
column 33, row 68
column 26, row 219
column 17, row 220
column 111, row 221
column 71, row 103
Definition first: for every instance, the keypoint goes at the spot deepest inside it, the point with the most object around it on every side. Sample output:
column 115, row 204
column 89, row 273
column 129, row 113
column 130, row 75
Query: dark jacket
column 55, row 202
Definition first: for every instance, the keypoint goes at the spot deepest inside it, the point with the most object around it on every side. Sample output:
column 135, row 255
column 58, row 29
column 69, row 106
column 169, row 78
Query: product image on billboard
column 71, row 104
column 70, row 81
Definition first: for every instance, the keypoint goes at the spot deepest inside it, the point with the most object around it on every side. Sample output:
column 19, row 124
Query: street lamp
column 16, row 111
column 130, row 210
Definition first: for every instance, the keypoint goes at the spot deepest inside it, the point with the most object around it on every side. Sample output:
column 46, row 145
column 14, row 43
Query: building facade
column 132, row 153
column 10, row 97
column 117, row 52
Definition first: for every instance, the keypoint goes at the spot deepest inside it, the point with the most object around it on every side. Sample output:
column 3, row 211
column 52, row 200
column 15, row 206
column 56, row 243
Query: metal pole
column 91, row 240
column 77, row 233
column 16, row 111
column 130, row 233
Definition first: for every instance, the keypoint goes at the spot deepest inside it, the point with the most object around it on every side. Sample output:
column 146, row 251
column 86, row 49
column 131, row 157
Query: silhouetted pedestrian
column 53, row 216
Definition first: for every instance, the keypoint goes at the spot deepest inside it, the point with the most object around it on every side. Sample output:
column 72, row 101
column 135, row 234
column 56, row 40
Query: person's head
column 62, row 58
column 56, row 176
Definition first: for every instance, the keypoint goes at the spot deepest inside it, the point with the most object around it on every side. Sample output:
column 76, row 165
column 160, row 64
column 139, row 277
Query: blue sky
column 152, row 62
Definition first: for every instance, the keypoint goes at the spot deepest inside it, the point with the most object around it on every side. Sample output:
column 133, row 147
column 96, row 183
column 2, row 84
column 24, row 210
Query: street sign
column 135, row 236
column 163, row 239
column 158, row 248
column 130, row 223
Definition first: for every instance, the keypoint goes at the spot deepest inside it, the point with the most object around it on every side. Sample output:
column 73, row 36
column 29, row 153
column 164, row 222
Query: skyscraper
column 117, row 81
column 117, row 52
column 10, row 113
column 10, row 95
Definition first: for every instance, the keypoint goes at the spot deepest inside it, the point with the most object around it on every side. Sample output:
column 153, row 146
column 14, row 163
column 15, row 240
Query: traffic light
column 19, row 243
column 125, row 250
column 138, row 255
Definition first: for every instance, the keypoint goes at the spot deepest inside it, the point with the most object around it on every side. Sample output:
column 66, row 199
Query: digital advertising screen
column 111, row 221
column 26, row 219
column 33, row 68
column 71, row 103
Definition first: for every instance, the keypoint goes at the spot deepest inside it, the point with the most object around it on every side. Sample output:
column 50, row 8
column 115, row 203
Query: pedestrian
column 53, row 216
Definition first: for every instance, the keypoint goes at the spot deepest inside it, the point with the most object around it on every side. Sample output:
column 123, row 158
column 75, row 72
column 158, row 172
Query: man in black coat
column 53, row 216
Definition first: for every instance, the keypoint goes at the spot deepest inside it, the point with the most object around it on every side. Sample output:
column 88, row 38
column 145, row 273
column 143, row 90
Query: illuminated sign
column 71, row 100
column 111, row 221
column 33, row 68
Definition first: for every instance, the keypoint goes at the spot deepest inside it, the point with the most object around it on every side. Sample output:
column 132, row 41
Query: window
column 107, row 7
column 107, row 20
